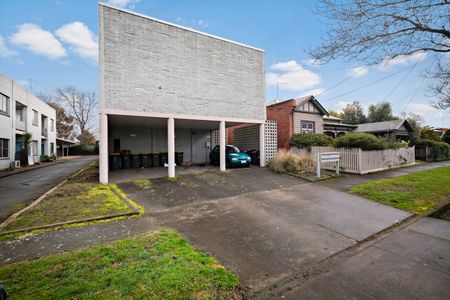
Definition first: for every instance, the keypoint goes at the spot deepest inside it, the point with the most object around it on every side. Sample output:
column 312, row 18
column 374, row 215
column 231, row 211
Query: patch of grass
column 143, row 183
column 79, row 198
column 416, row 192
column 156, row 265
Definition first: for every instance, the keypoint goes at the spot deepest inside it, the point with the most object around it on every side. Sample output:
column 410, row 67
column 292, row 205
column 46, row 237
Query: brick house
column 303, row 115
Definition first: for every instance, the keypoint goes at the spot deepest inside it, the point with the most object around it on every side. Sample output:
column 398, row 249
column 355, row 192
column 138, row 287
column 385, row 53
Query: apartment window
column 52, row 148
column 52, row 125
column 4, row 148
column 4, row 104
column 308, row 127
column 35, row 118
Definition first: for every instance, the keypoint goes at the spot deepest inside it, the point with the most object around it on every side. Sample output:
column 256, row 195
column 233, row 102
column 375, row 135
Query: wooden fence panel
column 354, row 160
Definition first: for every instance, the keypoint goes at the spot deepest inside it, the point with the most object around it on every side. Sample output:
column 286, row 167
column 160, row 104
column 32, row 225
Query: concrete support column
column 171, row 146
column 222, row 146
column 262, row 145
column 103, row 149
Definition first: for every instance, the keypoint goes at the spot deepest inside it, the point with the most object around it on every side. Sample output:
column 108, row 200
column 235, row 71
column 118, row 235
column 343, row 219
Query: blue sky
column 53, row 43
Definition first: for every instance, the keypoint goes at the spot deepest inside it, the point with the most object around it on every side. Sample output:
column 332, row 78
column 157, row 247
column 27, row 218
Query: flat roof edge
column 179, row 26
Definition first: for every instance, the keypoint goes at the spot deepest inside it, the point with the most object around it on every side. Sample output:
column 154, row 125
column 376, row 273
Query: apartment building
column 167, row 88
column 21, row 112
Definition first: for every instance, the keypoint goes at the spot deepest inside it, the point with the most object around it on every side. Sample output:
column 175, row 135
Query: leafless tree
column 373, row 31
column 441, row 84
column 82, row 106
column 64, row 122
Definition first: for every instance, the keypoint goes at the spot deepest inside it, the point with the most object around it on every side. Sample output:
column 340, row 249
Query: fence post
column 318, row 164
column 360, row 160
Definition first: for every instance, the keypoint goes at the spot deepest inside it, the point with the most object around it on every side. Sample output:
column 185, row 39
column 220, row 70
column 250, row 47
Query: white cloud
column 4, row 50
column 426, row 111
column 387, row 64
column 38, row 41
column 80, row 38
column 358, row 72
column 123, row 3
column 292, row 76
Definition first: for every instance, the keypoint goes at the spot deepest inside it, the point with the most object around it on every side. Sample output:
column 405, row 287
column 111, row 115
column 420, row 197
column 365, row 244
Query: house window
column 35, row 118
column 308, row 127
column 52, row 125
column 4, row 104
column 52, row 148
column 4, row 148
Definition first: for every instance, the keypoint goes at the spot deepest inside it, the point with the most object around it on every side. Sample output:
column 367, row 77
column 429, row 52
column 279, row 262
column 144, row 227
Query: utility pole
column 278, row 83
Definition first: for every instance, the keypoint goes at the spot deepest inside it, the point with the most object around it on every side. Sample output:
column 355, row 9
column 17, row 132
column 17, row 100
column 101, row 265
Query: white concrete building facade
column 164, row 87
column 21, row 112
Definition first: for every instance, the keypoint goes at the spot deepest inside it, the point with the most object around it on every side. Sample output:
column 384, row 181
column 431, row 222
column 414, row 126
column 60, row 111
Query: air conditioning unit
column 15, row 164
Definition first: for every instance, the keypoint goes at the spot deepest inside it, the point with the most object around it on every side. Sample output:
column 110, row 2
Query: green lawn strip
column 416, row 192
column 156, row 265
column 73, row 201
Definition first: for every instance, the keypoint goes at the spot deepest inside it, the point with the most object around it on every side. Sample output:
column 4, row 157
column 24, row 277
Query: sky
column 50, row 44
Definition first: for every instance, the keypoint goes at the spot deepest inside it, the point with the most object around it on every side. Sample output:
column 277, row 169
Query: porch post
column 171, row 146
column 262, row 145
column 222, row 146
column 103, row 145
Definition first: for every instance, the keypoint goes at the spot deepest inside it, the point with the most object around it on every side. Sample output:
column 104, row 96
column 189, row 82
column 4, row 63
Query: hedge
column 446, row 137
column 438, row 150
column 307, row 140
column 365, row 141
column 83, row 150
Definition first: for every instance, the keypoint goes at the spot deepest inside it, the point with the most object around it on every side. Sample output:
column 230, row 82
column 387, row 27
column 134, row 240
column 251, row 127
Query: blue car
column 234, row 157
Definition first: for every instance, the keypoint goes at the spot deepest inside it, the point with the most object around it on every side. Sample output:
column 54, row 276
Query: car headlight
column 234, row 158
column 249, row 159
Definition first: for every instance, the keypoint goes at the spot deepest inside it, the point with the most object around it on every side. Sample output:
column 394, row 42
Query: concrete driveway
column 20, row 189
column 270, row 226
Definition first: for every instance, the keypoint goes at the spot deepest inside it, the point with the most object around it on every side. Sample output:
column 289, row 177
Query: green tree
column 353, row 113
column 334, row 113
column 427, row 133
column 380, row 112
column 446, row 137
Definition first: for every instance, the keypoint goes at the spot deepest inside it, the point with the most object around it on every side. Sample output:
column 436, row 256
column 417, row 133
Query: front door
column 42, row 149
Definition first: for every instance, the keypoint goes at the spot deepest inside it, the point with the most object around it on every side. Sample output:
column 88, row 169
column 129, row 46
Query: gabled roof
column 311, row 98
column 385, row 126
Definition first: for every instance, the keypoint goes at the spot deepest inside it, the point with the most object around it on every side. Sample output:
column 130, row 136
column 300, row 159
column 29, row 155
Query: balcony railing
column 21, row 125
column 44, row 132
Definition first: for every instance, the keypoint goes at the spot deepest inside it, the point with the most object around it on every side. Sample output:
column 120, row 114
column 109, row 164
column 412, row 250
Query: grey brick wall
column 156, row 67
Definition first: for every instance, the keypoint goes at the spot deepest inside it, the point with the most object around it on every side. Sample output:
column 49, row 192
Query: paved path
column 20, row 189
column 413, row 263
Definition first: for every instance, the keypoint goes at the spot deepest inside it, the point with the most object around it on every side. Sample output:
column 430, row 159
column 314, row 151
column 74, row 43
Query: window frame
column 35, row 121
column 52, row 125
column 307, row 126
column 5, row 99
column 2, row 148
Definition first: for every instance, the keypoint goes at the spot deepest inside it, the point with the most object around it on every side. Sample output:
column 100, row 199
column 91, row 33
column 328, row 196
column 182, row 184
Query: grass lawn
column 79, row 198
column 157, row 265
column 416, row 192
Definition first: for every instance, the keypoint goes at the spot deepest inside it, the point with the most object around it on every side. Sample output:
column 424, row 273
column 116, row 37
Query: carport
column 141, row 134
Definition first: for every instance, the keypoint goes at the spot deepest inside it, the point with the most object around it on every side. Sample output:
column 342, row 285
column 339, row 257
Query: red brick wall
column 231, row 132
column 282, row 113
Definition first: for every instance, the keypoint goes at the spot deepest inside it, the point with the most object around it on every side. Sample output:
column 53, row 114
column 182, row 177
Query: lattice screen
column 215, row 137
column 247, row 138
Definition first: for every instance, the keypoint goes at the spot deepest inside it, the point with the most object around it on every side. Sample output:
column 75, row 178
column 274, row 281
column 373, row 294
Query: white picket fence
column 355, row 160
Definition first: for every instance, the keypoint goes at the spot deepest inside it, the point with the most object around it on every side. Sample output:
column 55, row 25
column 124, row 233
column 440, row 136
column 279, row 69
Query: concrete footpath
column 413, row 263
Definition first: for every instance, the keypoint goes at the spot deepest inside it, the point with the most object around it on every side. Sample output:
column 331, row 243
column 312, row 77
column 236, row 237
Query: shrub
column 393, row 143
column 82, row 150
column 365, row 141
column 438, row 150
column 307, row 140
column 290, row 162
column 446, row 137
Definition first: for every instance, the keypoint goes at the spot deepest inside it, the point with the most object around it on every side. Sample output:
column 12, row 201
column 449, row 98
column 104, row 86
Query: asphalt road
column 25, row 187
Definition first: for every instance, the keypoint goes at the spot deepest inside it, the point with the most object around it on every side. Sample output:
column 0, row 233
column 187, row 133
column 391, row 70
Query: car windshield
column 232, row 149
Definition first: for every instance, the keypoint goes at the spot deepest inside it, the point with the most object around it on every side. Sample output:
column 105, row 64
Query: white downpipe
column 222, row 146
column 262, row 145
column 171, row 146
column 103, row 145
